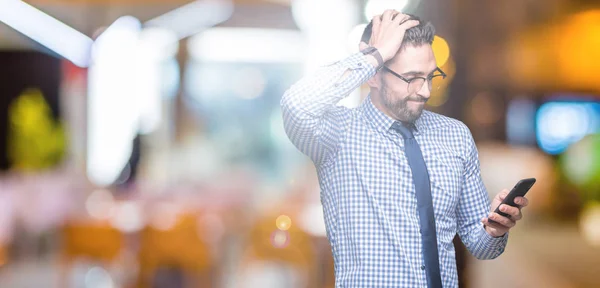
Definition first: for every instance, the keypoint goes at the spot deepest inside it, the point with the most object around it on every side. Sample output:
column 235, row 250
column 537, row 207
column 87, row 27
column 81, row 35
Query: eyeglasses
column 415, row 84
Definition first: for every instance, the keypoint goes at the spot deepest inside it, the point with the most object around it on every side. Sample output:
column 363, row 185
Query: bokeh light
column 128, row 217
column 441, row 50
column 97, row 277
column 377, row 7
column 164, row 216
column 559, row 124
column 581, row 165
column 280, row 239
column 100, row 204
column 484, row 108
column 440, row 97
column 283, row 222
column 589, row 223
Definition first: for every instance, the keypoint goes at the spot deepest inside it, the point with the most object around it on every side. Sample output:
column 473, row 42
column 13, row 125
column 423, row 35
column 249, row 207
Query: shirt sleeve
column 311, row 119
column 474, row 204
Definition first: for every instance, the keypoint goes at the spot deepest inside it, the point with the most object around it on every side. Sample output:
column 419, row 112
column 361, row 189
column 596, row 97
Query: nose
column 425, row 92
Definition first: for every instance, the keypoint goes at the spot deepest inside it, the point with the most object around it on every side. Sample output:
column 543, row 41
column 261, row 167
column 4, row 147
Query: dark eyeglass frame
column 408, row 81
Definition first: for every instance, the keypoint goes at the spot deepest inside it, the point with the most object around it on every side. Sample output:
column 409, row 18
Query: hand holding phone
column 519, row 190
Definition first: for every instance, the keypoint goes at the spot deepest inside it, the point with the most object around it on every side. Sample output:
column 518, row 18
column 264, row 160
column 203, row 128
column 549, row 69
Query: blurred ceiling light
column 158, row 43
column 354, row 37
column 46, row 30
column 376, row 7
column 249, row 45
column 325, row 17
column 194, row 17
column 112, row 100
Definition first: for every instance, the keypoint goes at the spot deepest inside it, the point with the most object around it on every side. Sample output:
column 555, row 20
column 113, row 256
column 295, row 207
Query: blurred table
column 549, row 255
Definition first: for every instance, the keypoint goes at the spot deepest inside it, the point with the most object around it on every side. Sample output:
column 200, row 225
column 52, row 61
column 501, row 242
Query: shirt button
column 422, row 267
column 336, row 84
column 359, row 64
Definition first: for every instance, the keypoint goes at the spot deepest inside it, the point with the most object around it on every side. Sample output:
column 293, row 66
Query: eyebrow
column 417, row 73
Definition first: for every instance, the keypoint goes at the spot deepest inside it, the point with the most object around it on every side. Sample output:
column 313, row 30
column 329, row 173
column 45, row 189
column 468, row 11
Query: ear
column 375, row 81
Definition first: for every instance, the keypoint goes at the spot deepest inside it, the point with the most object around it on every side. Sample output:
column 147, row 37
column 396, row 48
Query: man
column 397, row 182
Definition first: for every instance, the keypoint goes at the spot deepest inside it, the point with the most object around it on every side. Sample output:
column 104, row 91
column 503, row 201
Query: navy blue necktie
column 424, row 205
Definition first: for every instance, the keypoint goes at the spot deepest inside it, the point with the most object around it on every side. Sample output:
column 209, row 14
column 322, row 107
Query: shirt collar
column 383, row 122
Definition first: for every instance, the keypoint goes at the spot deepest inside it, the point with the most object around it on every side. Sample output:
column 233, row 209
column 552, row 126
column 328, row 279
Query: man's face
column 410, row 62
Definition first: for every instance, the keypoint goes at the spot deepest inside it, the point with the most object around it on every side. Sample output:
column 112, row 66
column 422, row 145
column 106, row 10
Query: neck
column 378, row 103
column 376, row 100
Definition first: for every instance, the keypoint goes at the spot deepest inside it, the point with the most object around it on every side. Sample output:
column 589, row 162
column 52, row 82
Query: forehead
column 411, row 58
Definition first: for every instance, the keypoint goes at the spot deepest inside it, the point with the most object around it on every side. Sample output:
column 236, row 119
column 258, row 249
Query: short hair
column 415, row 36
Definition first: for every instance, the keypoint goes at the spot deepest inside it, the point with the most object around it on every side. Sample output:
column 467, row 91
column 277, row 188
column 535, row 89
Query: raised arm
column 312, row 120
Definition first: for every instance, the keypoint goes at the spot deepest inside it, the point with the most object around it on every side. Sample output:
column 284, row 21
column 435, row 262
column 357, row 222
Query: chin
column 410, row 115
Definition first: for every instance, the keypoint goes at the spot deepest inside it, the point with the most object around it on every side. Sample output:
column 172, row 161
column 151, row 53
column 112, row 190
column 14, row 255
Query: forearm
column 311, row 118
column 315, row 94
column 483, row 246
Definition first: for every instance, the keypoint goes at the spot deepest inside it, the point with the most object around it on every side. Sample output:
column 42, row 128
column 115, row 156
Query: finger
column 503, row 194
column 409, row 24
column 492, row 224
column 510, row 210
column 375, row 28
column 504, row 221
column 387, row 15
column 399, row 18
column 376, row 20
column 522, row 201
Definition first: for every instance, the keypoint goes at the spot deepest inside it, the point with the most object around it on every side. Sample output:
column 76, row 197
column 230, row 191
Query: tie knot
column 403, row 129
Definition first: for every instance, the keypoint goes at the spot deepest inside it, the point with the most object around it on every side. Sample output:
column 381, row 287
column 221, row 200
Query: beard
column 399, row 106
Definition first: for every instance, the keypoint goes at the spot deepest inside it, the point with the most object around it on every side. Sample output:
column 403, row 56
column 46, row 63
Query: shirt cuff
column 495, row 245
column 358, row 61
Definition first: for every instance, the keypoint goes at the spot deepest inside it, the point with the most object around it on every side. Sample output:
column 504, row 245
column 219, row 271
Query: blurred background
column 141, row 142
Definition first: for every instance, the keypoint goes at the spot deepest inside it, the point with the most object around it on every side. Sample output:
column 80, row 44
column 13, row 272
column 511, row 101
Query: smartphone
column 518, row 191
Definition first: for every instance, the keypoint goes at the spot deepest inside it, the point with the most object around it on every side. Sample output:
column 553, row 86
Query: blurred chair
column 328, row 272
column 176, row 249
column 289, row 253
column 3, row 255
column 96, row 241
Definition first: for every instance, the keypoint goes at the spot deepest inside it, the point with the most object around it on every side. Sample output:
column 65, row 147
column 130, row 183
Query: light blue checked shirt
column 367, row 189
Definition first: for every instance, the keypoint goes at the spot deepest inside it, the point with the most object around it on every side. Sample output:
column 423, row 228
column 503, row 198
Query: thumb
column 502, row 194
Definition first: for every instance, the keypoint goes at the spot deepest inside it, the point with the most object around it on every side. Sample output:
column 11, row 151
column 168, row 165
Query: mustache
column 416, row 98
